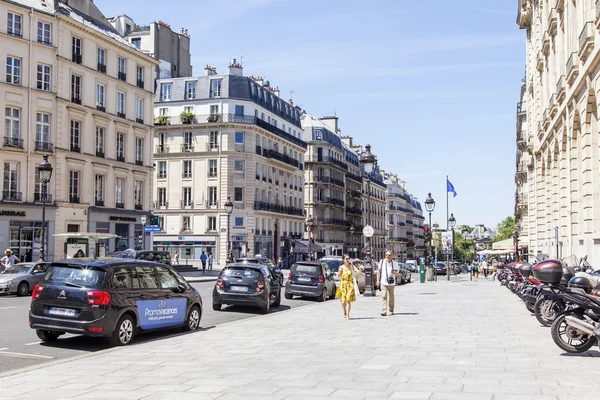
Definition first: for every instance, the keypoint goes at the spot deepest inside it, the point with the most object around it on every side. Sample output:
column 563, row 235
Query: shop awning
column 302, row 247
column 87, row 235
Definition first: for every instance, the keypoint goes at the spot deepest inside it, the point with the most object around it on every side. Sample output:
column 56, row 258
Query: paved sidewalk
column 447, row 340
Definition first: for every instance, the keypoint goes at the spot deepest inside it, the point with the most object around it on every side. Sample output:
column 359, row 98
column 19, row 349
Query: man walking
column 9, row 259
column 386, row 280
column 209, row 259
column 484, row 265
column 203, row 259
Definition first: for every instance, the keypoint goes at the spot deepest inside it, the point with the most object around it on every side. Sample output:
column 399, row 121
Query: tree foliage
column 506, row 229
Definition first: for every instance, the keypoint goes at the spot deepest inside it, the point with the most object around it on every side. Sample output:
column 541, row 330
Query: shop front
column 126, row 224
column 189, row 247
column 21, row 230
column 239, row 246
column 263, row 245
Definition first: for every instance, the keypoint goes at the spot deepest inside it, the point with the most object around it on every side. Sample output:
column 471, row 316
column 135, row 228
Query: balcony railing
column 586, row 41
column 186, row 175
column 10, row 141
column 161, row 148
column 354, row 211
column 553, row 106
column 233, row 118
column 281, row 157
column 73, row 198
column 552, row 22
column 540, row 61
column 99, row 153
column 122, row 76
column 121, row 114
column 572, row 68
column 99, row 203
column 39, row 197
column 140, row 83
column 187, row 148
column 44, row 146
column 333, row 221
column 100, row 108
column 212, row 146
column 561, row 89
column 75, row 148
column 139, row 120
column 326, row 159
column 354, row 177
column 76, row 99
column 139, row 206
column 76, row 58
column 121, row 157
column 276, row 208
column 186, row 205
column 329, row 200
column 328, row 179
column 546, row 118
column 102, row 68
column 120, row 205
column 546, row 43
column 139, row 162
column 12, row 195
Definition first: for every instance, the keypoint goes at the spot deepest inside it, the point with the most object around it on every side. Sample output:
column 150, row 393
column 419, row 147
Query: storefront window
column 122, row 242
column 25, row 239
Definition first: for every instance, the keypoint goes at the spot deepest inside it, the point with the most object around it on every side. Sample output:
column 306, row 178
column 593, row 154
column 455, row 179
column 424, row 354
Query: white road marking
column 4, row 348
column 6, row 308
column 33, row 343
column 10, row 353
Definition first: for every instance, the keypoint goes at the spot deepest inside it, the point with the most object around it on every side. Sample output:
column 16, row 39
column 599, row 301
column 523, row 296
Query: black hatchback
column 244, row 284
column 112, row 297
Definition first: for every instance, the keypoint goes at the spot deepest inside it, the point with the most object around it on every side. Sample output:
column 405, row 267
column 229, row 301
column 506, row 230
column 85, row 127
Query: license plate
column 65, row 312
column 304, row 279
column 239, row 289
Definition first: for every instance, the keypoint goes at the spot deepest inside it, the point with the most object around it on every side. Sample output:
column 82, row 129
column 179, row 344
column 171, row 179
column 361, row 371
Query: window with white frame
column 121, row 146
column 212, row 168
column 238, row 166
column 99, row 188
column 165, row 91
column 75, row 136
column 101, row 57
column 212, row 224
column 76, row 48
column 214, row 109
column 76, row 88
column 119, row 191
column 212, row 195
column 139, row 150
column 100, row 135
column 187, row 168
column 44, row 73
column 100, row 95
column 44, row 32
column 162, row 170
column 74, row 186
column 13, row 70
column 139, row 109
column 14, row 24
column 163, row 111
column 162, row 197
column 42, row 129
column 121, row 103
column 121, row 67
column 190, row 90
column 213, row 140
column 187, row 141
column 215, row 87
column 187, row 197
column 11, row 181
column 185, row 223
column 139, row 72
column 139, row 193
column 12, row 122
column 238, row 194
column 239, row 138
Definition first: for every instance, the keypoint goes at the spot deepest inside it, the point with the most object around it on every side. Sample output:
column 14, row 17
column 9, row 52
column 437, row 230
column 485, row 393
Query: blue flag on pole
column 450, row 187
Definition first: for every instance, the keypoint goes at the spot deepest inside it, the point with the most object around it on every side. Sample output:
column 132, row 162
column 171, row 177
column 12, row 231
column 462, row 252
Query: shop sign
column 11, row 213
column 238, row 238
column 123, row 219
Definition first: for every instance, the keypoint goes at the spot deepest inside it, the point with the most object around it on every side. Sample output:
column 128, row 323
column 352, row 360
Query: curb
column 201, row 279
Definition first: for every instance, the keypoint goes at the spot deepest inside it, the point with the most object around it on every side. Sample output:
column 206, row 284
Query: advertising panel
column 161, row 313
column 447, row 245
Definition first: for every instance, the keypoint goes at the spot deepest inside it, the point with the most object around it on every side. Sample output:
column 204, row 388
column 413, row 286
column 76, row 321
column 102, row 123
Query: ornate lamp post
column 45, row 172
column 430, row 206
column 352, row 239
column 368, row 161
column 452, row 223
column 310, row 226
column 229, row 209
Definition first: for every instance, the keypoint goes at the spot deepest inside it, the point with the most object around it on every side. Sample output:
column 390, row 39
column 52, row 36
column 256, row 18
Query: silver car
column 21, row 278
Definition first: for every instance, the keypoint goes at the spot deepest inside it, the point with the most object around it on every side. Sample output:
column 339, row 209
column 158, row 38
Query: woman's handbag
column 356, row 290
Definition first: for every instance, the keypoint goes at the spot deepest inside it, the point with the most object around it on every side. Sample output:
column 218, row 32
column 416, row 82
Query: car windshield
column 441, row 265
column 74, row 275
column 311, row 269
column 18, row 269
column 333, row 265
column 251, row 273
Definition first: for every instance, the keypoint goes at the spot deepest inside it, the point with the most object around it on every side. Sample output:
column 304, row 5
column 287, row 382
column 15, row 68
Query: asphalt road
column 20, row 347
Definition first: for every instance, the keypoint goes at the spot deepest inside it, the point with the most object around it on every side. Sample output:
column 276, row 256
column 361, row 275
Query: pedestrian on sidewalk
column 176, row 258
column 484, row 266
column 209, row 260
column 9, row 259
column 475, row 270
column 386, row 281
column 203, row 260
column 279, row 263
column 346, row 291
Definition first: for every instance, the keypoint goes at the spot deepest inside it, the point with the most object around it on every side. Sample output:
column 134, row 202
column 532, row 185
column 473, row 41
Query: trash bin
column 430, row 274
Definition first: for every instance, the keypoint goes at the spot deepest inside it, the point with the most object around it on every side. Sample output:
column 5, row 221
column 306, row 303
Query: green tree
column 506, row 229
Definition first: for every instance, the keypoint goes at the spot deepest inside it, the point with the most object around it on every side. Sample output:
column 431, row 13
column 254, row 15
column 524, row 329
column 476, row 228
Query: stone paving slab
column 448, row 340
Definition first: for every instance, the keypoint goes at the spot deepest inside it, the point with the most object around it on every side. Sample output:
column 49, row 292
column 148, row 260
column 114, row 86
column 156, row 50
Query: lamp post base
column 369, row 292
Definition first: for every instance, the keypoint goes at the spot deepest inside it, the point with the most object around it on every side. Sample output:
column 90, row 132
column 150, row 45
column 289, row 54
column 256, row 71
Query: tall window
column 187, row 141
column 239, row 110
column 119, row 190
column 187, row 168
column 100, row 135
column 120, row 147
column 214, row 109
column 74, row 139
column 139, row 74
column 101, row 60
column 238, row 194
column 212, row 168
column 121, row 65
column 162, row 170
column 121, row 104
column 190, row 90
column 13, row 70
column 44, row 73
column 212, row 195
column 185, row 223
column 165, row 91
column 14, row 25
column 44, row 32
column 12, row 122
column 212, row 223
column 139, row 194
column 162, row 197
column 213, row 140
column 187, row 197
column 99, row 190
column 239, row 138
column 137, row 42
column 215, row 87
column 76, row 89
column 238, row 166
column 74, row 186
column 100, row 97
column 139, row 151
column 76, row 49
column 139, row 110
column 10, row 190
column 42, row 131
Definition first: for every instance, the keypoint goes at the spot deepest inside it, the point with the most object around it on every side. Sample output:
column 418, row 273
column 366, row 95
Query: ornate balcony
column 561, row 89
column 161, row 149
column 13, row 142
column 586, row 41
column 38, row 197
column 572, row 68
column 44, row 146
column 354, row 177
column 553, row 106
column 546, row 43
column 552, row 22
column 279, row 209
column 12, row 195
column 540, row 61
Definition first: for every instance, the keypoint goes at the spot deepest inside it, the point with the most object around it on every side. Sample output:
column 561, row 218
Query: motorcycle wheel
column 568, row 338
column 529, row 306
column 546, row 310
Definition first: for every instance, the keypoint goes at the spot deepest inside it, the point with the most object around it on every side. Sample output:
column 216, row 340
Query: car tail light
column 37, row 292
column 100, row 298
column 290, row 276
column 220, row 284
column 96, row 329
column 321, row 279
column 261, row 286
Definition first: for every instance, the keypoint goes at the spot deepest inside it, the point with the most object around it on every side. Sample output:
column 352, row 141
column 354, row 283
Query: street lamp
column 352, row 238
column 310, row 226
column 430, row 206
column 452, row 223
column 229, row 209
column 368, row 160
column 45, row 173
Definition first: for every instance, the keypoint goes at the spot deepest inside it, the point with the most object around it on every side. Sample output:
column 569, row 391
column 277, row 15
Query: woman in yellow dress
column 346, row 290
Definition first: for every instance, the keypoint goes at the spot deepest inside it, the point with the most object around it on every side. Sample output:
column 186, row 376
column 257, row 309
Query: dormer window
column 318, row 134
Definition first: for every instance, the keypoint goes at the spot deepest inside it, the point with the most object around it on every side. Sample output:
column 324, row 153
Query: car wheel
column 216, row 307
column 124, row 332
column 23, row 289
column 277, row 301
column 47, row 336
column 193, row 320
column 409, row 279
column 323, row 296
column 288, row 296
column 267, row 307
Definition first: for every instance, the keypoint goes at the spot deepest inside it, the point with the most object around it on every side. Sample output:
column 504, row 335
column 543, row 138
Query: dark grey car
column 310, row 279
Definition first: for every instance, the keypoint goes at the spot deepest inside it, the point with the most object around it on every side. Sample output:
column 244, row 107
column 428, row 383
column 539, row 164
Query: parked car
column 412, row 265
column 334, row 262
column 264, row 261
column 163, row 257
column 112, row 297
column 310, row 279
column 244, row 284
column 440, row 268
column 405, row 275
column 21, row 278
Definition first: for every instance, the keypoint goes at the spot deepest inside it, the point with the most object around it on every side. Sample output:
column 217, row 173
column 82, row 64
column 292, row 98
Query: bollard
column 422, row 272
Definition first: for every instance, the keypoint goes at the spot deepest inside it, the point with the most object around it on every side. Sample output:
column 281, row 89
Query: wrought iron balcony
column 328, row 179
column 76, row 99
column 212, row 146
column 12, row 195
column 122, row 76
column 100, row 108
column 121, row 114
column 76, row 58
column 161, row 149
column 73, row 199
column 139, row 120
column 354, row 177
column 540, row 61
column 121, row 157
column 102, row 68
column 99, row 153
column 15, row 142
column 185, row 175
column 333, row 221
column 586, row 41
column 281, row 157
column 327, row 160
column 44, row 146
column 139, row 206
column 75, row 148
column 120, row 205
column 276, row 208
column 259, row 150
column 552, row 22
column 329, row 200
column 186, row 204
column 140, row 83
column 354, row 211
column 139, row 162
column 561, row 89
column 187, row 148
column 546, row 43
column 38, row 197
column 572, row 68
column 99, row 203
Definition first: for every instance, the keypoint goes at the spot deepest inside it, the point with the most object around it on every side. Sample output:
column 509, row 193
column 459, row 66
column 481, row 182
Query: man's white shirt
column 386, row 270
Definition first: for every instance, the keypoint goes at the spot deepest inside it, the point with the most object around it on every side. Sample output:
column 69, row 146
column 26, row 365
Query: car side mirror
column 181, row 288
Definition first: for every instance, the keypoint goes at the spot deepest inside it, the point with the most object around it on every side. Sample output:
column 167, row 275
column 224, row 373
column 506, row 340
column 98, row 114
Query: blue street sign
column 152, row 228
column 481, row 257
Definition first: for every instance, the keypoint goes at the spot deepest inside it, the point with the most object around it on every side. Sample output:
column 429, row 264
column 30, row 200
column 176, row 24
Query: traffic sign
column 143, row 219
column 152, row 228
column 368, row 231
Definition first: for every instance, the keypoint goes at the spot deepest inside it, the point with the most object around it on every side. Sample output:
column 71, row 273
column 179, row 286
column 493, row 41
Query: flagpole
column 447, row 227
column 447, row 206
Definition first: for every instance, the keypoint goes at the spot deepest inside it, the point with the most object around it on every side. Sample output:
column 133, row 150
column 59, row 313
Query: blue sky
column 431, row 85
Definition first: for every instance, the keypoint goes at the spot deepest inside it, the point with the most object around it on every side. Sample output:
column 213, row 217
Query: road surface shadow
column 252, row 310
column 589, row 353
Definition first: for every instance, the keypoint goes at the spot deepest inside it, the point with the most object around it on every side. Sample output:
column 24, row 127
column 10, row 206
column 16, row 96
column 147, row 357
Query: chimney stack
column 208, row 70
column 235, row 68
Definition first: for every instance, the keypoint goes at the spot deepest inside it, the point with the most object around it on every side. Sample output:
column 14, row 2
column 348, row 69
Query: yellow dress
column 346, row 290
